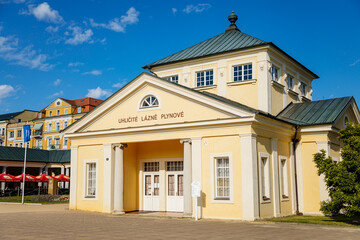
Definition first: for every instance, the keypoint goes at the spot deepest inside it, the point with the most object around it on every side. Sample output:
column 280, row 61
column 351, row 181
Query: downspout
column 295, row 141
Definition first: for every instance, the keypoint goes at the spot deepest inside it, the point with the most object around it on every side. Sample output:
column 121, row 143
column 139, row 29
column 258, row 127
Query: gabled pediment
column 176, row 104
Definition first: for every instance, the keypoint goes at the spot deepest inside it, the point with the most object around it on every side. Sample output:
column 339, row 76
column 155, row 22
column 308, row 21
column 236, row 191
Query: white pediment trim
column 140, row 82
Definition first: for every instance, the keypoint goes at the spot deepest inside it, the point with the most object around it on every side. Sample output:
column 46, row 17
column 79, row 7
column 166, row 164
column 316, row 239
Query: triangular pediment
column 349, row 114
column 176, row 104
column 59, row 102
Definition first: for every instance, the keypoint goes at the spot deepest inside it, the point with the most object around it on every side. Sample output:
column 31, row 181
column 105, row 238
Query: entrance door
column 175, row 186
column 151, row 191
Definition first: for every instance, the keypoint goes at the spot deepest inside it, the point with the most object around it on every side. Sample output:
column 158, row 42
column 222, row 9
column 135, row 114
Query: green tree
column 342, row 178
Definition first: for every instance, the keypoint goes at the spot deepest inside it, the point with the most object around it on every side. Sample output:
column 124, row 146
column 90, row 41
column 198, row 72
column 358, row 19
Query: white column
column 67, row 173
column 119, row 179
column 300, row 179
column 187, row 177
column 324, row 194
column 3, row 183
column 196, row 171
column 73, row 181
column 292, row 178
column 275, row 176
column 264, row 82
column 108, row 194
column 62, row 172
column 249, row 176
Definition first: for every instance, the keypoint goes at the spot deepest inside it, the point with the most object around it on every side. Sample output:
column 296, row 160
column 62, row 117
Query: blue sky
column 74, row 49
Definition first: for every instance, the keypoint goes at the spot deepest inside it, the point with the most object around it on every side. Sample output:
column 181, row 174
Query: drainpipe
column 295, row 141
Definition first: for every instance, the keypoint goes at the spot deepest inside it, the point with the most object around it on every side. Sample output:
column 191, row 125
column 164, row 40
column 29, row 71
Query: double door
column 151, row 191
column 175, row 192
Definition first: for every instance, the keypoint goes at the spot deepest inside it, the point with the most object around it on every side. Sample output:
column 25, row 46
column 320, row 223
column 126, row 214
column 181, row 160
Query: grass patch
column 325, row 220
column 45, row 199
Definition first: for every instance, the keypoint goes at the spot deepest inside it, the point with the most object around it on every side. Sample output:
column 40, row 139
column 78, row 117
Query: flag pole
column 23, row 186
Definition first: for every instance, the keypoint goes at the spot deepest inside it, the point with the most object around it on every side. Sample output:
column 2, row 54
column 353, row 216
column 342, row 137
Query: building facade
column 233, row 113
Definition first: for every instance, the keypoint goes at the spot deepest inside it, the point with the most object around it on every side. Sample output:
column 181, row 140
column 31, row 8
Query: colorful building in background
column 46, row 125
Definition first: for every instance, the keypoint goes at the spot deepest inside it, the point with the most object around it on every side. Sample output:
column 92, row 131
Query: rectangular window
column 79, row 109
column 222, row 178
column 265, row 177
column 50, row 114
column 16, row 145
column 57, row 126
column 289, row 81
column 205, row 78
column 40, row 115
column 57, row 143
column 66, row 111
column 19, row 132
column 10, row 145
column 284, row 181
column 151, row 167
column 90, row 180
column 174, row 79
column 57, row 112
column 242, row 72
column 49, row 143
column 303, row 89
column 21, row 145
column 11, row 134
column 50, row 127
column 65, row 141
column 274, row 74
column 39, row 144
column 65, row 124
column 3, row 132
column 175, row 166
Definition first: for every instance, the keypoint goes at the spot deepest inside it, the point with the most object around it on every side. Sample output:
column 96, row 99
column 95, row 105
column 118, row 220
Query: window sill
column 292, row 92
column 305, row 99
column 277, row 84
column 219, row 200
column 90, row 198
column 285, row 198
column 205, row 87
column 265, row 200
column 250, row 81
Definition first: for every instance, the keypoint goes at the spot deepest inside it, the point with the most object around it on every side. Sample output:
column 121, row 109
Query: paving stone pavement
column 56, row 222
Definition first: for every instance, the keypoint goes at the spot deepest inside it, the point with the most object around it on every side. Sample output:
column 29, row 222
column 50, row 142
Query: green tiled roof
column 224, row 42
column 316, row 112
column 34, row 155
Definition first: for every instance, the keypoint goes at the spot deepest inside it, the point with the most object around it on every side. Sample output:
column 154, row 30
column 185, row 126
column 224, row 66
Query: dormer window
column 174, row 79
column 149, row 101
column 274, row 73
column 40, row 115
column 79, row 109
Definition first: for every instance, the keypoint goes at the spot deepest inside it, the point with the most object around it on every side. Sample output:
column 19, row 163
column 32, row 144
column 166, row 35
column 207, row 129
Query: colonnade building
column 233, row 113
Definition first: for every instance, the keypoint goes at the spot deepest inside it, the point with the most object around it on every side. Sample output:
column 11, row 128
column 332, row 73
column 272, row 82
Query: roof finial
column 232, row 18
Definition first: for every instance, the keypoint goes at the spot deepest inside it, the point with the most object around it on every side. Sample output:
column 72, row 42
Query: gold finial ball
column 233, row 17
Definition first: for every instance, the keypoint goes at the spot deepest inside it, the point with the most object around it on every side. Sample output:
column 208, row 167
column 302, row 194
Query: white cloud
column 51, row 29
column 119, row 24
column 174, row 10
column 93, row 72
column 79, row 35
column 197, row 8
column 120, row 84
column 98, row 93
column 6, row 91
column 57, row 94
column 11, row 1
column 75, row 64
column 57, row 82
column 28, row 57
column 354, row 63
column 43, row 12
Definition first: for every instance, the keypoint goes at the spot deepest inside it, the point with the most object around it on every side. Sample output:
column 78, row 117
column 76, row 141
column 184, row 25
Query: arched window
column 149, row 102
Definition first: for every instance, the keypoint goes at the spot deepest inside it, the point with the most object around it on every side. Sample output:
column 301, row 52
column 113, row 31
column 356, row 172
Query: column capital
column 119, row 145
column 248, row 135
column 185, row 140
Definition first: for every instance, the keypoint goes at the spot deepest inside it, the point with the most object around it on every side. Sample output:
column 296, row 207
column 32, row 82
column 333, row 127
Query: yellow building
column 58, row 115
column 215, row 115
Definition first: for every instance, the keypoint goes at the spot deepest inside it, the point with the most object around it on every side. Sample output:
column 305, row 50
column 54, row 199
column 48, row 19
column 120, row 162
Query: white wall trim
column 300, row 179
column 275, row 176
column 108, row 193
column 268, row 170
column 196, row 160
column 74, row 178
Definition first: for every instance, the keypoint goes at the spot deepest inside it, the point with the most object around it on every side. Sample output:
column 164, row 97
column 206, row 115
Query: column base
column 118, row 212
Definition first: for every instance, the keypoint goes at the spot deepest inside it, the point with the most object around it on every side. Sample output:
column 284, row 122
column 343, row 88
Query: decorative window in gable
column 149, row 101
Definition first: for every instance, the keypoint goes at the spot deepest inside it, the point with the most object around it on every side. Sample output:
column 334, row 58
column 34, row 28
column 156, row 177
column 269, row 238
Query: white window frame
column 284, row 178
column 306, row 90
column 58, row 112
column 204, row 71
column 40, row 115
column 49, row 143
column 170, row 78
column 57, row 127
column 139, row 108
column 287, row 82
column 17, row 133
column 65, row 142
column 66, row 124
column 346, row 118
column 278, row 73
column 79, row 110
column 66, row 111
column 85, row 195
column 50, row 127
column 213, row 157
column 264, row 178
column 12, row 133
column 50, row 113
column 242, row 65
